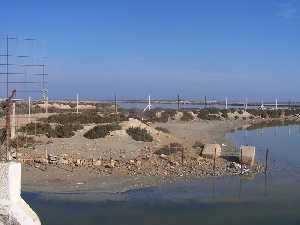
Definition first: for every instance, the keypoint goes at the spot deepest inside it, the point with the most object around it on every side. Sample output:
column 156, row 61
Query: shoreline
column 59, row 180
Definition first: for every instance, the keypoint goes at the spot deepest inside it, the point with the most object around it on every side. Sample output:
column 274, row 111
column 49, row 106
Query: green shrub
column 86, row 117
column 162, row 129
column 36, row 128
column 22, row 141
column 101, row 131
column 59, row 131
column 139, row 134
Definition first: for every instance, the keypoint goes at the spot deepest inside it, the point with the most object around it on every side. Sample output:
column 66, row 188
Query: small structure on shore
column 13, row 209
column 211, row 151
column 247, row 155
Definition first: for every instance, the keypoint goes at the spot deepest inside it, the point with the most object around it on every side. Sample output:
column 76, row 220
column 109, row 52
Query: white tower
column 77, row 103
column 148, row 107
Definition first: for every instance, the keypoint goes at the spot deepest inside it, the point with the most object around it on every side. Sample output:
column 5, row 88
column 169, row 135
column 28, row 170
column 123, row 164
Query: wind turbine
column 148, row 107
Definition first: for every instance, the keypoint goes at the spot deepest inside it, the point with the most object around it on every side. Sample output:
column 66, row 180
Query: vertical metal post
column 266, row 165
column 7, row 82
column 205, row 102
column 178, row 102
column 241, row 161
column 214, row 168
column 47, row 99
column 77, row 103
column 116, row 106
column 13, row 121
column 29, row 109
column 8, row 124
column 182, row 155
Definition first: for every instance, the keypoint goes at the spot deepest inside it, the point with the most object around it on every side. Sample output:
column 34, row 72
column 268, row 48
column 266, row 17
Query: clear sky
column 234, row 48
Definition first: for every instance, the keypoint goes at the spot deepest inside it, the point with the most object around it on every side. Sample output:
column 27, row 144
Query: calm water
column 267, row 199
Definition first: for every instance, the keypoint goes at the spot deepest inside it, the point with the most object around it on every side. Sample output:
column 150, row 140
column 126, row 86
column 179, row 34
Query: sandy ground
column 60, row 179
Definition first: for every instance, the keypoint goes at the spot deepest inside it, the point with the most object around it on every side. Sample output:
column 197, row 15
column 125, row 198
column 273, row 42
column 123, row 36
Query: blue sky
column 234, row 48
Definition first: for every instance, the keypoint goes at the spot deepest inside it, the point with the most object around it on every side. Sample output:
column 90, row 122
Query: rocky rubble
column 150, row 164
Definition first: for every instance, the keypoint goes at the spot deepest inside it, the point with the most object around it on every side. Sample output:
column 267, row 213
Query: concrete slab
column 247, row 155
column 12, row 206
column 211, row 151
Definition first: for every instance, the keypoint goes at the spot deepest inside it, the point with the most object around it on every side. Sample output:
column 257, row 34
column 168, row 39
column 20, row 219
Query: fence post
column 182, row 155
column 241, row 161
column 266, row 165
column 215, row 160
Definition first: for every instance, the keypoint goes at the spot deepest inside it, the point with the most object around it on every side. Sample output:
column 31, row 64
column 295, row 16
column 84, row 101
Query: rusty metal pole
column 8, row 104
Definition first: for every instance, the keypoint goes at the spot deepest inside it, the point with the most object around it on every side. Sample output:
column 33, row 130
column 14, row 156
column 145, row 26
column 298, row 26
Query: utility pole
column 116, row 106
column 178, row 102
column 226, row 103
column 29, row 109
column 77, row 103
column 205, row 102
column 8, row 105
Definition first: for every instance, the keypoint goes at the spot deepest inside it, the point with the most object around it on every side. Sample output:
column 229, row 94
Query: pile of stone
column 209, row 163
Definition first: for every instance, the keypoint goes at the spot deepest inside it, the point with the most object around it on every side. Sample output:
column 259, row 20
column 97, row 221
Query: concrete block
column 211, row 151
column 12, row 206
column 247, row 155
column 10, row 182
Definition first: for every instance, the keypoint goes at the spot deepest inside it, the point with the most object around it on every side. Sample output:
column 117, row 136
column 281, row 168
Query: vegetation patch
column 58, row 131
column 210, row 114
column 162, row 129
column 36, row 128
column 101, row 131
column 63, row 131
column 86, row 117
column 139, row 134
column 23, row 141
column 170, row 149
